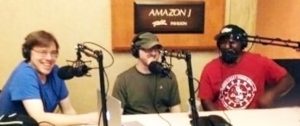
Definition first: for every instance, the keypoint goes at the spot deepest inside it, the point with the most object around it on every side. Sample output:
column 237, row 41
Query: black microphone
column 68, row 72
column 157, row 68
column 78, row 68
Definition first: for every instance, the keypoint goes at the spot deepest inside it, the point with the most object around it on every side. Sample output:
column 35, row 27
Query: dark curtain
column 293, row 97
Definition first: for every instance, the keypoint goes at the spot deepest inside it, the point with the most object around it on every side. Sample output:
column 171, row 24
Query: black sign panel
column 173, row 17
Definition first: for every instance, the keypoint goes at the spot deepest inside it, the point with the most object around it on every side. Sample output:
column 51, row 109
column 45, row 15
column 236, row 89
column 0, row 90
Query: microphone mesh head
column 80, row 70
column 158, row 69
column 65, row 72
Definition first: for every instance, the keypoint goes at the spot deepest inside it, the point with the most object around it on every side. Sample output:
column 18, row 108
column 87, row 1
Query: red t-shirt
column 238, row 86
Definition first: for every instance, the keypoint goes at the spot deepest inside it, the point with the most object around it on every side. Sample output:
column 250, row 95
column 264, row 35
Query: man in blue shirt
column 34, row 89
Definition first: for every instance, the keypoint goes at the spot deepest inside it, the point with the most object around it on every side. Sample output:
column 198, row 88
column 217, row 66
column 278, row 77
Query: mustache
column 229, row 51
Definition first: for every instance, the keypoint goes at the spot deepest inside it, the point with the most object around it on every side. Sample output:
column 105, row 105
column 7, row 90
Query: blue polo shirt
column 24, row 83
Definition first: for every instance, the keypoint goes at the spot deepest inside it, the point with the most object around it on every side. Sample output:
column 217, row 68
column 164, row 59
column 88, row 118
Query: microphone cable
column 154, row 101
column 166, row 66
column 110, row 54
column 46, row 123
column 226, row 116
column 109, row 65
column 106, row 91
column 195, row 79
column 248, row 49
column 105, row 74
column 198, row 82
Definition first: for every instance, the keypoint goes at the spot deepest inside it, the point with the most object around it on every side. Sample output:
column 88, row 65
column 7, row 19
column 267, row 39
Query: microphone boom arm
column 96, row 54
column 192, row 100
column 274, row 41
column 178, row 55
column 87, row 51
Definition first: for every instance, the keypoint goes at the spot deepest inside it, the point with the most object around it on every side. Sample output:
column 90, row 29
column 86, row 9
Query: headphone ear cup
column 244, row 41
column 134, row 47
column 26, row 53
column 244, row 44
column 135, row 51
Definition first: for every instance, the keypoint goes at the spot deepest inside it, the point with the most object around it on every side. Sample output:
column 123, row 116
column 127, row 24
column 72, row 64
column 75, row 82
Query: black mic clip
column 78, row 69
column 88, row 51
column 159, row 68
column 80, row 65
column 166, row 66
column 81, row 69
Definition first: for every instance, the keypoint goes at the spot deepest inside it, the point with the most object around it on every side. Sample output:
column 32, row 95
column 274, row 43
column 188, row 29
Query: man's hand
column 267, row 100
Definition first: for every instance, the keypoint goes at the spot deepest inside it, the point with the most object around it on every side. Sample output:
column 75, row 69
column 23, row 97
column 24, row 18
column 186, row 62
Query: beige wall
column 278, row 20
column 75, row 21
column 242, row 13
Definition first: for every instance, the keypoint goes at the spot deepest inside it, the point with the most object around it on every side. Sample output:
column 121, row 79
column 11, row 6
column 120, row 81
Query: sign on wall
column 179, row 24
column 169, row 16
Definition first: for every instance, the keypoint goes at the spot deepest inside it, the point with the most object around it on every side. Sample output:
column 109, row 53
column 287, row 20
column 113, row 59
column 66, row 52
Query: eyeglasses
column 44, row 53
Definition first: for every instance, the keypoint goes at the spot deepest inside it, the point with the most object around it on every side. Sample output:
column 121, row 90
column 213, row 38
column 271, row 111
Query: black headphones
column 236, row 33
column 134, row 47
column 140, row 39
column 242, row 38
column 26, row 52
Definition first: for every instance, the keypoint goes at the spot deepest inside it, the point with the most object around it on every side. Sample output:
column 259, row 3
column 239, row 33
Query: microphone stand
column 99, row 57
column 187, row 57
column 102, row 86
column 191, row 90
column 196, row 120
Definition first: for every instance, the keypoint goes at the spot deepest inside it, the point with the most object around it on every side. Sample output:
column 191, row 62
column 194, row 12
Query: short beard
column 229, row 57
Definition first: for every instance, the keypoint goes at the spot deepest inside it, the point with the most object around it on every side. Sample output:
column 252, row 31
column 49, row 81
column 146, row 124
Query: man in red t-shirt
column 238, row 79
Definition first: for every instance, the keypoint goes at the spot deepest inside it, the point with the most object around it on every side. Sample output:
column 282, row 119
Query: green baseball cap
column 147, row 40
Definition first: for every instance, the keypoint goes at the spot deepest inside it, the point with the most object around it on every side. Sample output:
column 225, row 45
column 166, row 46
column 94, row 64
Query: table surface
column 251, row 117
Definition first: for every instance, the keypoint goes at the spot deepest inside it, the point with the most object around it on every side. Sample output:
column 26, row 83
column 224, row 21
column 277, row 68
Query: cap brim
column 150, row 45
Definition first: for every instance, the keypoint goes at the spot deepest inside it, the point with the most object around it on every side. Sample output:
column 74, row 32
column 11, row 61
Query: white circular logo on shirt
column 237, row 92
